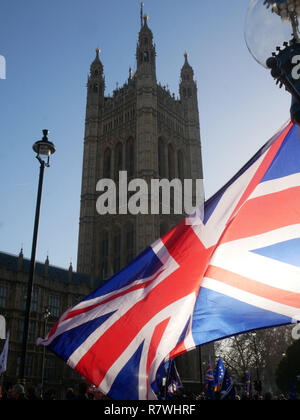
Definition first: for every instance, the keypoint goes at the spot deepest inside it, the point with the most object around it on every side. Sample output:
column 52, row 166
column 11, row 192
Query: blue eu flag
column 228, row 389
column 219, row 375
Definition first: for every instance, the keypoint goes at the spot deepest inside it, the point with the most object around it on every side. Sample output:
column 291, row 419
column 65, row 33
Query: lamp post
column 258, row 384
column 273, row 38
column 46, row 316
column 43, row 149
column 200, row 369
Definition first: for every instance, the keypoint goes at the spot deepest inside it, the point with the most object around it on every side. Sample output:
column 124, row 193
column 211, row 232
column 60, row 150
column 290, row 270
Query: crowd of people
column 246, row 396
column 18, row 392
column 83, row 392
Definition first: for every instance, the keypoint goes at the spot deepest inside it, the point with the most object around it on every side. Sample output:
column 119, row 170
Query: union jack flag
column 209, row 375
column 234, row 271
column 209, row 381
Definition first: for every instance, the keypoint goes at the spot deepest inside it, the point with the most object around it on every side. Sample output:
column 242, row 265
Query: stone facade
column 55, row 290
column 146, row 131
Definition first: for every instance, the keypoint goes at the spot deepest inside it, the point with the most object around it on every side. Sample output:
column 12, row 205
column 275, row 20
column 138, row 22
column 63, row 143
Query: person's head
column 17, row 391
column 70, row 394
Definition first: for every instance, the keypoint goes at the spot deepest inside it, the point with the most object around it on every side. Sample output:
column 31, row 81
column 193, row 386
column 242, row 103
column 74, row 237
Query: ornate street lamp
column 46, row 316
column 273, row 38
column 44, row 149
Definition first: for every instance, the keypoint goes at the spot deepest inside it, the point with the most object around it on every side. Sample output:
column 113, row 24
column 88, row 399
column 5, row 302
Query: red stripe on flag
column 156, row 338
column 262, row 169
column 180, row 349
column 254, row 287
column 114, row 296
column 264, row 214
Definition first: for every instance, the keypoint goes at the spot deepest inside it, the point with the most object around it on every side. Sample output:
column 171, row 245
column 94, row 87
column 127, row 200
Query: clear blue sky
column 49, row 45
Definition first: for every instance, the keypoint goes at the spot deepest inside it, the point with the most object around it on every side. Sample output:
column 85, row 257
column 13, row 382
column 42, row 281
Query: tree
column 289, row 368
column 258, row 352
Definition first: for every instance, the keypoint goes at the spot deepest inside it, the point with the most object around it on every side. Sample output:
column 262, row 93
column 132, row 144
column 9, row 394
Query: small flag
column 219, row 375
column 209, row 381
column 228, row 389
column 159, row 385
column 173, row 379
column 209, row 376
column 3, row 356
column 248, row 384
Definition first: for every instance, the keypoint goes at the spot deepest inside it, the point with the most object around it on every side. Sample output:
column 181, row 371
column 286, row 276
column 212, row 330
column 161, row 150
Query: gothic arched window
column 146, row 56
column 105, row 245
column 171, row 161
column 129, row 242
column 104, row 255
column 107, row 163
column 118, row 159
column 130, row 157
column 163, row 229
column 104, row 270
column 161, row 158
column 180, row 169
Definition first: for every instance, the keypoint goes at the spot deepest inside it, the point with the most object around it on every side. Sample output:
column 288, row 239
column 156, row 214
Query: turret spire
column 96, row 66
column 142, row 7
column 188, row 87
column 145, row 19
column 146, row 54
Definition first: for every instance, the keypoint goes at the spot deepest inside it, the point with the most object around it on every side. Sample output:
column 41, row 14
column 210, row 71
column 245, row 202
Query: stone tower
column 144, row 130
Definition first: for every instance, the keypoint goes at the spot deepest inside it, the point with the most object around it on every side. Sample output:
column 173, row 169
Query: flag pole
column 167, row 379
column 142, row 5
column 200, row 368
